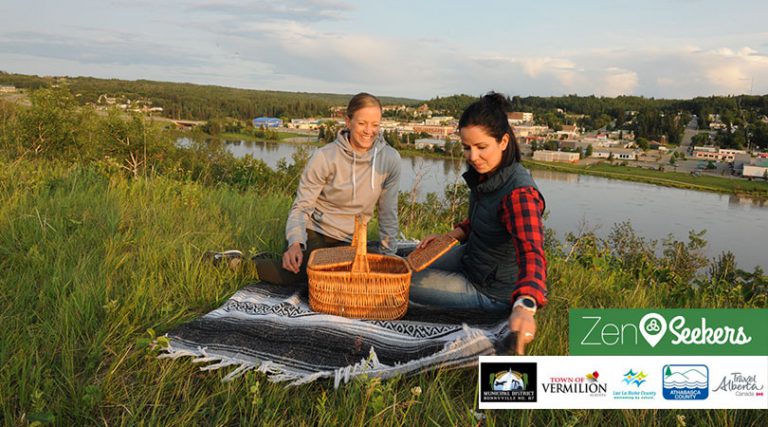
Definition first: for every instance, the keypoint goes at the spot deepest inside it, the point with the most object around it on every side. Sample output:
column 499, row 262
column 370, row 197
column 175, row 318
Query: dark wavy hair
column 490, row 113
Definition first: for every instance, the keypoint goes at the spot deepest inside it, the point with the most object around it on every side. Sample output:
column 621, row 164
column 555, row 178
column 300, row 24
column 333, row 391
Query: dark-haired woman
column 500, row 265
column 350, row 176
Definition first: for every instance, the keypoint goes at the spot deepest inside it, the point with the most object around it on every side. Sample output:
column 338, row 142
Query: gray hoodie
column 338, row 184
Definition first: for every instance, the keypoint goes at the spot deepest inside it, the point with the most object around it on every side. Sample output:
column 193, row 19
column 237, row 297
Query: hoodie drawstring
column 354, row 183
column 373, row 164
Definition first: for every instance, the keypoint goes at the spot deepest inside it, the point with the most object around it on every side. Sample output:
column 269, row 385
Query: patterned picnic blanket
column 272, row 329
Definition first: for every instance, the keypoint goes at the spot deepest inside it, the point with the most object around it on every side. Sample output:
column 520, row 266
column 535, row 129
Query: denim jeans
column 444, row 284
column 272, row 271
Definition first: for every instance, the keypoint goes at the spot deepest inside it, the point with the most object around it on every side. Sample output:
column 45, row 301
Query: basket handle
column 360, row 243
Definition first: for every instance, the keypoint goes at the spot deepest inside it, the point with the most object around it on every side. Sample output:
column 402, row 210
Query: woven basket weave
column 350, row 282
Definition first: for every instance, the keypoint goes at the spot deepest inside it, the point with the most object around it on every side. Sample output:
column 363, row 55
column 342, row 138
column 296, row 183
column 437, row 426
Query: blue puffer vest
column 489, row 260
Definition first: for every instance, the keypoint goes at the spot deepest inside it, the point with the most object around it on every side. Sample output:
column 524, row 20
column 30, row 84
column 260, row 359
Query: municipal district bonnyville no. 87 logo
column 508, row 382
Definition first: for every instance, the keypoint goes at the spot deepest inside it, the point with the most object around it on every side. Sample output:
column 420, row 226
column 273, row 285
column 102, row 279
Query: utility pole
column 746, row 125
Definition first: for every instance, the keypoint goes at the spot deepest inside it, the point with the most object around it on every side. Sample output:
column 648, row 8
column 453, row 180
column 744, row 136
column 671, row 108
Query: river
column 578, row 202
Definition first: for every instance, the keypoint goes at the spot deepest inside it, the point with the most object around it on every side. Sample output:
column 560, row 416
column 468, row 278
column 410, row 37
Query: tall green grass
column 93, row 266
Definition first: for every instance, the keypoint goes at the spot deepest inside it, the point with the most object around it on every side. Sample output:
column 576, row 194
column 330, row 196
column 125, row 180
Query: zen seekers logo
column 668, row 332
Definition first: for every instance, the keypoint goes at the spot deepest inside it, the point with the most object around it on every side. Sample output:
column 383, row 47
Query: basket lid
column 421, row 258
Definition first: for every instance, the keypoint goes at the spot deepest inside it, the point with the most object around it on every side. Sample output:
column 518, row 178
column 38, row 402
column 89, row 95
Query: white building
column 751, row 171
column 618, row 154
column 555, row 156
column 519, row 117
column 523, row 131
column 430, row 143
column 439, row 120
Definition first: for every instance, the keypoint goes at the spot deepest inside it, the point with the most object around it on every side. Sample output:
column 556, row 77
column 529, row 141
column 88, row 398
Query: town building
column 267, row 122
column 440, row 121
column 618, row 153
column 519, row 117
column 436, row 131
column 555, row 156
column 754, row 171
column 524, row 131
column 429, row 143
column 568, row 132
column 304, row 124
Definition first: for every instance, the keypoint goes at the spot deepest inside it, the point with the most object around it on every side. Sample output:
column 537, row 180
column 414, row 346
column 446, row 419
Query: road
column 691, row 130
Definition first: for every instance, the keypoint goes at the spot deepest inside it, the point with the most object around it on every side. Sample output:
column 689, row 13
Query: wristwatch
column 527, row 303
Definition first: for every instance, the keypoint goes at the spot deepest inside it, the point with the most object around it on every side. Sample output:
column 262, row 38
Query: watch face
column 529, row 303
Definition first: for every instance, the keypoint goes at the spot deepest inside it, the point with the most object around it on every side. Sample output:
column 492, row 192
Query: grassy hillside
column 94, row 265
column 198, row 102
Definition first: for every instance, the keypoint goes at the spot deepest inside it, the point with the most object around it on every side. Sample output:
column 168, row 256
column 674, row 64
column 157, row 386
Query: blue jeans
column 444, row 284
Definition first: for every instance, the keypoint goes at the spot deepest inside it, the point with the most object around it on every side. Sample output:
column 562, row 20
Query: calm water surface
column 577, row 202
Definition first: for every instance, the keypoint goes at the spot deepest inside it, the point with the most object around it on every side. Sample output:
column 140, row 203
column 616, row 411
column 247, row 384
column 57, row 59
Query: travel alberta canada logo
column 668, row 332
column 740, row 385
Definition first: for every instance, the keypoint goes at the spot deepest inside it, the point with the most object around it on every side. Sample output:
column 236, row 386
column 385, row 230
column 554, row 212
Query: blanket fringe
column 459, row 352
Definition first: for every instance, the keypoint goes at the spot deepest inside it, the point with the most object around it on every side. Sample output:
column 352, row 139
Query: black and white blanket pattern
column 273, row 330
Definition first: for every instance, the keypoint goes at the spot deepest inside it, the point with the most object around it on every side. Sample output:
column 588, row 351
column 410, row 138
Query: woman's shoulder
column 328, row 151
column 390, row 153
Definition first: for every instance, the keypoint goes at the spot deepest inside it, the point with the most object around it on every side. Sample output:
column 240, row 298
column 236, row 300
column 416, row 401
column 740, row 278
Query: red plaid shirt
column 520, row 212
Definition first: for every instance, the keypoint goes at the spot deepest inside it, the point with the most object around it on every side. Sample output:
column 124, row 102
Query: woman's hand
column 457, row 233
column 522, row 323
column 293, row 257
column 426, row 241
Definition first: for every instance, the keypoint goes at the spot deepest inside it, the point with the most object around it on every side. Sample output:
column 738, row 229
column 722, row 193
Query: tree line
column 196, row 102
column 649, row 118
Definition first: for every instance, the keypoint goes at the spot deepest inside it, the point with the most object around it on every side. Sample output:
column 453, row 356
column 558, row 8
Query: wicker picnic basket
column 350, row 282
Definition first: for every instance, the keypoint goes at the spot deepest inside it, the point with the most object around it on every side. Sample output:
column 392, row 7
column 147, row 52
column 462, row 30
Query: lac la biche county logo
column 667, row 332
column 685, row 382
column 589, row 385
column 508, row 382
column 633, row 386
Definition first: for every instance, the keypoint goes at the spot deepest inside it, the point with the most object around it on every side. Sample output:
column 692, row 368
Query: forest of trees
column 648, row 118
column 196, row 102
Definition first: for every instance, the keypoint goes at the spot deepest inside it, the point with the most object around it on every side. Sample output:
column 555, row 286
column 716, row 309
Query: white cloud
column 296, row 10
column 297, row 45
column 617, row 81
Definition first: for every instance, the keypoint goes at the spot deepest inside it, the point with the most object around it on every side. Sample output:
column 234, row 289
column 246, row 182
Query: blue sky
column 416, row 48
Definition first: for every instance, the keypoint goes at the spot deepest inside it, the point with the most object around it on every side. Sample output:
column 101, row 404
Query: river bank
column 704, row 182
